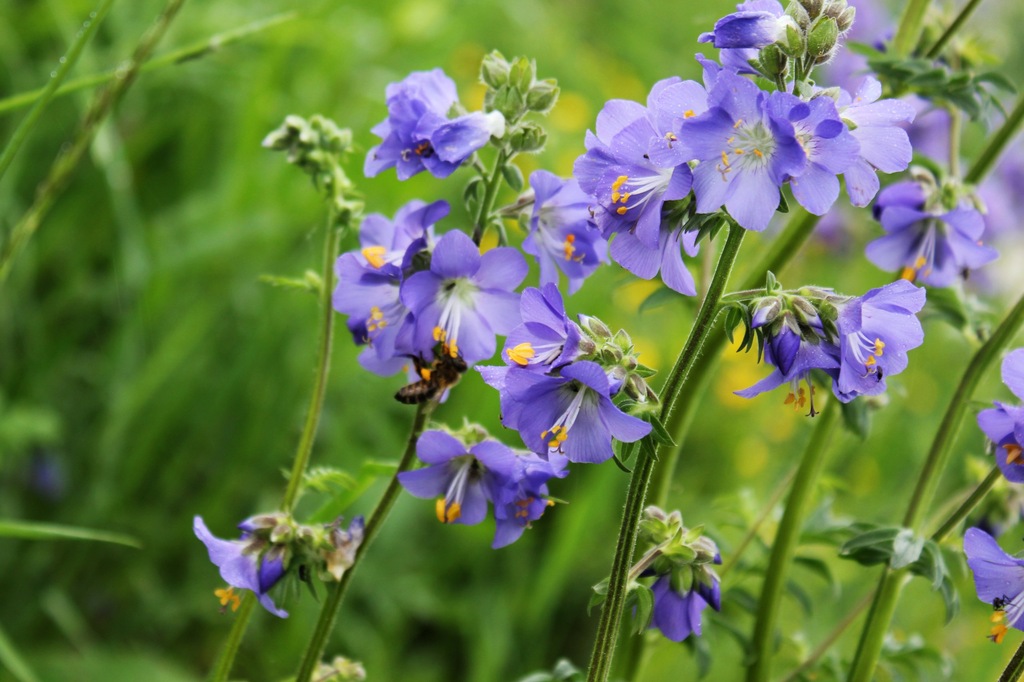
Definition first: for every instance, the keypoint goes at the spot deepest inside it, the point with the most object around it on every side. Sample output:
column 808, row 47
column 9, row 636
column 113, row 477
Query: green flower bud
column 522, row 74
column 542, row 96
column 793, row 43
column 494, row 70
column 774, row 62
column 822, row 37
column 799, row 14
column 527, row 137
column 845, row 19
column 813, row 7
column 507, row 100
column 595, row 327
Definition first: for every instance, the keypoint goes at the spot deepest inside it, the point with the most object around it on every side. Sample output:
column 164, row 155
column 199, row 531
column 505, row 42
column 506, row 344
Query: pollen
column 870, row 362
column 879, row 347
column 908, row 273
column 376, row 320
column 621, row 210
column 439, row 334
column 738, row 152
column 1013, row 453
column 920, row 262
column 797, row 400
column 725, row 159
column 615, row 197
column 521, row 354
column 425, row 373
column 738, row 123
column 559, row 434
column 619, row 182
column 447, row 512
column 567, row 246
column 671, row 137
column 688, row 113
column 758, row 154
column 998, row 630
column 227, row 595
column 374, row 255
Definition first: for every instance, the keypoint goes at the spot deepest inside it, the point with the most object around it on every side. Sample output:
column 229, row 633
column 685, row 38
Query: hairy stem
column 611, row 612
column 226, row 659
column 786, row 541
column 331, row 607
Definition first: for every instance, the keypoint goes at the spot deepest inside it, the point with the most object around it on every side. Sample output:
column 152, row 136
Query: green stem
column 948, row 34
column 178, row 56
column 226, row 659
column 870, row 646
column 996, row 144
column 1015, row 667
column 611, row 612
column 766, row 511
column 786, row 541
column 67, row 160
column 954, row 521
column 331, row 607
column 323, row 365
column 955, row 126
column 908, row 33
column 490, row 193
column 84, row 35
column 826, row 644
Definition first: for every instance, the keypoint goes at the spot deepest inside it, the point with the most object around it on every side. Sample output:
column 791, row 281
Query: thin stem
column 1015, row 667
column 786, row 540
column 996, row 144
column 611, row 613
column 908, row 33
column 483, row 214
column 83, row 36
column 331, row 607
column 948, row 34
column 67, row 161
column 968, row 505
column 956, row 120
column 226, row 659
column 766, row 511
column 323, row 365
column 826, row 644
column 873, row 635
column 178, row 56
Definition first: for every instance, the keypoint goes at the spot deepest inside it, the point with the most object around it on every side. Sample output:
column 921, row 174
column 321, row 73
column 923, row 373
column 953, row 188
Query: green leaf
column 819, row 568
column 13, row 661
column 659, row 433
column 644, row 606
column 871, row 546
column 29, row 530
column 311, row 284
column 600, row 593
column 906, row 548
column 370, row 471
column 513, row 176
column 801, row 595
column 856, row 418
column 659, row 297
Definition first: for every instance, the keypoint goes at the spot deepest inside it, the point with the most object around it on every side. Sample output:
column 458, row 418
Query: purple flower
column 571, row 415
column 561, row 235
column 756, row 24
column 932, row 245
column 242, row 567
column 800, row 358
column 523, row 499
column 1004, row 424
column 635, row 162
column 745, row 154
column 369, row 280
column 884, row 145
column 998, row 579
column 465, row 299
column 634, row 255
column 830, row 148
column 875, row 332
column 677, row 614
column 417, row 134
column 463, row 479
column 546, row 337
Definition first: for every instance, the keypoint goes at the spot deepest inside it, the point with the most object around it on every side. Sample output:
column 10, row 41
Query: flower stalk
column 1015, row 668
column 611, row 613
column 491, row 185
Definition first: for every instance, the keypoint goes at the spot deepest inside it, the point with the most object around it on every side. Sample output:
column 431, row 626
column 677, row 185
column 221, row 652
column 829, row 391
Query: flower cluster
column 857, row 341
column 1004, row 424
column 270, row 546
column 559, row 380
column 466, row 477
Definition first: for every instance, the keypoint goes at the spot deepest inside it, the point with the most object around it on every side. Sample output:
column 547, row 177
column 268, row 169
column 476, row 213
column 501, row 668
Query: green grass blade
column 12, row 660
column 29, row 530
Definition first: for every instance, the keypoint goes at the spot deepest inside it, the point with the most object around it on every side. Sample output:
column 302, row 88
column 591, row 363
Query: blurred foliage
column 147, row 375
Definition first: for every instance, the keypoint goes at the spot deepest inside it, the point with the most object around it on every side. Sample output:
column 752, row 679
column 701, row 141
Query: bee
column 435, row 377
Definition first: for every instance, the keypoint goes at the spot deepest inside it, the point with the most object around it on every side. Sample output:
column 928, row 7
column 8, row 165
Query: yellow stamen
column 688, row 113
column 619, row 182
column 615, row 197
column 738, row 152
column 439, row 334
column 757, row 153
column 374, row 255
column 998, row 616
column 725, row 160
column 227, row 596
column 567, row 246
column 730, row 140
column 737, row 124
column 908, row 273
column 447, row 513
column 453, row 349
column 920, row 262
column 626, row 196
column 997, row 633
column 558, row 436
column 621, row 210
column 879, row 347
column 671, row 137
column 1013, row 453
column 521, row 353
column 870, row 362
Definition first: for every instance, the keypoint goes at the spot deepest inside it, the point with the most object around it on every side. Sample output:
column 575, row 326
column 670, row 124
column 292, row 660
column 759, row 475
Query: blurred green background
column 146, row 375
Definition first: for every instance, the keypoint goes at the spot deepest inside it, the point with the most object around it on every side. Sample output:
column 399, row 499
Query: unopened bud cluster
column 615, row 353
column 685, row 554
column 810, row 36
column 513, row 90
column 328, row 548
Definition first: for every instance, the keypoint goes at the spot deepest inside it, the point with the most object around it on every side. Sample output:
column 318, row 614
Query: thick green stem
column 323, row 364
column 1015, row 668
column 908, row 33
column 996, row 144
column 331, row 607
column 786, row 541
column 870, row 646
column 67, row 161
column 84, row 35
column 954, row 521
column 948, row 34
column 483, row 214
column 611, row 612
column 226, row 659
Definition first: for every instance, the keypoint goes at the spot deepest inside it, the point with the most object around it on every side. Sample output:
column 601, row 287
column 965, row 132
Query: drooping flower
column 998, row 580
column 369, row 280
column 561, row 235
column 884, row 145
column 244, row 565
column 926, row 242
column 571, row 414
column 547, row 337
column 755, row 24
column 745, row 153
column 875, row 332
column 463, row 479
column 677, row 614
column 418, row 135
column 465, row 298
column 1004, row 424
column 830, row 148
column 344, row 545
column 524, row 499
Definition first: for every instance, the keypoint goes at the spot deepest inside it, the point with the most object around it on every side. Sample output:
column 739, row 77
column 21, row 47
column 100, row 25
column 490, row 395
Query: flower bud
column 765, row 311
column 636, row 388
column 845, row 19
column 595, row 327
column 527, row 137
column 507, row 100
column 542, row 96
column 774, row 62
column 522, row 74
column 799, row 14
column 822, row 37
column 494, row 70
column 813, row 7
column 793, row 42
